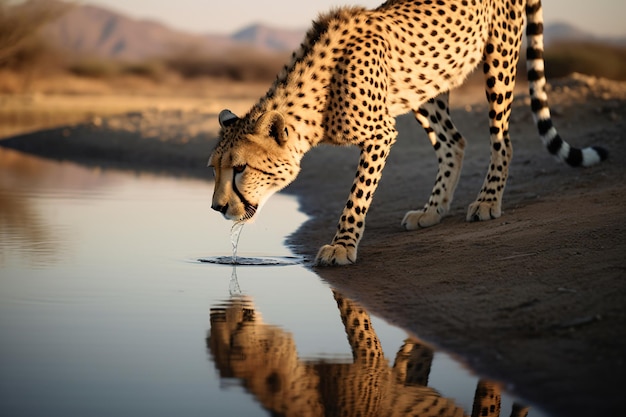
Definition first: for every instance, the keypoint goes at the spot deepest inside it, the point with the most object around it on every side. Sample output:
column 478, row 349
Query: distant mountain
column 97, row 31
column 565, row 32
column 264, row 36
column 90, row 30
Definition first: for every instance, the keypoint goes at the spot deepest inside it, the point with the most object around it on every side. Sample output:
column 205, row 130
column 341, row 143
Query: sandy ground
column 535, row 299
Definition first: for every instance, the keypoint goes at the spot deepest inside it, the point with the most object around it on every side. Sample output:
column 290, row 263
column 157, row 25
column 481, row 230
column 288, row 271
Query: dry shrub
column 151, row 69
column 94, row 68
column 19, row 24
column 565, row 58
column 591, row 58
column 102, row 68
column 240, row 64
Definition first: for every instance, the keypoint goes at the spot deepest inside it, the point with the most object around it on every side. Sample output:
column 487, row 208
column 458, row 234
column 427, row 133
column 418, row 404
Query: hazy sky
column 601, row 17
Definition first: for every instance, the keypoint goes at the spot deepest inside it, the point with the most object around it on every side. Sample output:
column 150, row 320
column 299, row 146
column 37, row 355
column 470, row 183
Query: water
column 251, row 261
column 235, row 233
column 119, row 296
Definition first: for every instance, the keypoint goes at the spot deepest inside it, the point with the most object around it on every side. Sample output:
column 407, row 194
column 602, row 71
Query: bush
column 94, row 68
column 103, row 68
column 149, row 69
column 242, row 64
column 597, row 59
column 19, row 24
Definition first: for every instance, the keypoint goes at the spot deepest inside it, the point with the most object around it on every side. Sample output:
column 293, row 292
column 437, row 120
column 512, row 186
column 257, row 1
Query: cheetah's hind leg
column 449, row 145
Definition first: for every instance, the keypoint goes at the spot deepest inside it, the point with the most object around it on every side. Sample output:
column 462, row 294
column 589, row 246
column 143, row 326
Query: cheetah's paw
column 418, row 219
column 330, row 255
column 483, row 210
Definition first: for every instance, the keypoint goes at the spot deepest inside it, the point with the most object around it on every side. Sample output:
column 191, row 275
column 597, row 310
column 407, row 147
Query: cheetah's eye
column 239, row 168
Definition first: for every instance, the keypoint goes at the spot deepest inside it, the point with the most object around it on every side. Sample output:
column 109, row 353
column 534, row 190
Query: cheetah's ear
column 227, row 118
column 272, row 124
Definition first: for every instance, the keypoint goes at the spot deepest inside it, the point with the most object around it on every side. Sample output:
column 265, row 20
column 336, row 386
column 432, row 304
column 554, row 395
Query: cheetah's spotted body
column 356, row 71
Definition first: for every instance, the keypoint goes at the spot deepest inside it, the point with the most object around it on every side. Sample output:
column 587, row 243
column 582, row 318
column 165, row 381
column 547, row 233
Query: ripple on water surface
column 252, row 261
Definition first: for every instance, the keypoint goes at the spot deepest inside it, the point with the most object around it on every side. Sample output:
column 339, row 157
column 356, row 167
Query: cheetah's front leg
column 343, row 249
column 500, row 80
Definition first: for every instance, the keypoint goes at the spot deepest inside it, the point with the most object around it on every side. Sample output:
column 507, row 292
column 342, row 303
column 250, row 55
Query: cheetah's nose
column 220, row 208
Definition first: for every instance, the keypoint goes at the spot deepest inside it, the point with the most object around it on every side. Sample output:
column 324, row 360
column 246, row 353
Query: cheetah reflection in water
column 264, row 358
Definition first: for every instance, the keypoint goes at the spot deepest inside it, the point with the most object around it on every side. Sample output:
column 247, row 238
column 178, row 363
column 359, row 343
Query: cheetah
column 358, row 69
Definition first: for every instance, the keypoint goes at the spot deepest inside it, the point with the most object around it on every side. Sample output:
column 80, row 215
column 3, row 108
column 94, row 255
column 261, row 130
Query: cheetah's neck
column 301, row 90
column 300, row 95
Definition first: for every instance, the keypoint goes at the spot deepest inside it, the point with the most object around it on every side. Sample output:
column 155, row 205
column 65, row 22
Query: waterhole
column 102, row 314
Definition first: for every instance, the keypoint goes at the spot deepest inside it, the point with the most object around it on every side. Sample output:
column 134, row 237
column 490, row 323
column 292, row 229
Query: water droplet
column 235, row 232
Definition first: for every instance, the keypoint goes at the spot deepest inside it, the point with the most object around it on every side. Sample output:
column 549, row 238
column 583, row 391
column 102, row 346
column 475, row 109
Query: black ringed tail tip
column 539, row 99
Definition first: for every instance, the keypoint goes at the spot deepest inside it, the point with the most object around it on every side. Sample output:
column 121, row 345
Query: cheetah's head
column 251, row 162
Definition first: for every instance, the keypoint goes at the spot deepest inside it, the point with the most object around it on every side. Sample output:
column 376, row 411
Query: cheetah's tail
column 539, row 99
